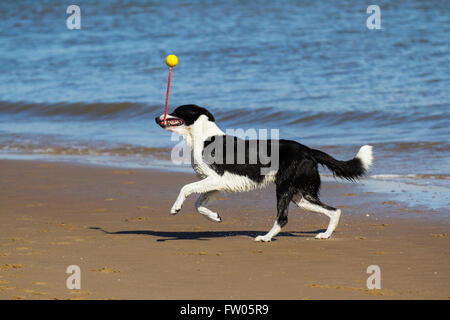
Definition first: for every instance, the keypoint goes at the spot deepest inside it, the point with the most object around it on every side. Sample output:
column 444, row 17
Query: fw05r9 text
column 246, row 309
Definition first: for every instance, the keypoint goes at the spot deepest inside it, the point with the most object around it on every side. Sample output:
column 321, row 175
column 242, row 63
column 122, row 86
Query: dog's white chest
column 199, row 170
column 200, row 167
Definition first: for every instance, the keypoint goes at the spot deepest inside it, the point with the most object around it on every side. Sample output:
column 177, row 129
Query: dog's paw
column 322, row 235
column 210, row 215
column 175, row 210
column 214, row 218
column 263, row 239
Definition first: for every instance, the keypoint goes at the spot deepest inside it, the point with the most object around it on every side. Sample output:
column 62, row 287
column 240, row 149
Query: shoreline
column 421, row 200
column 114, row 223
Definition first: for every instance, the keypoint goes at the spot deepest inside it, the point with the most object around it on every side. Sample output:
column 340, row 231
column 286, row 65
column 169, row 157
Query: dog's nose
column 157, row 120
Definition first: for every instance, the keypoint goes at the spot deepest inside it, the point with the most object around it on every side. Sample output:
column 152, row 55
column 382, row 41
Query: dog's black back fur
column 297, row 172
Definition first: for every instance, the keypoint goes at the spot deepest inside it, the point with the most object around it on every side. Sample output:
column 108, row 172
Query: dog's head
column 185, row 118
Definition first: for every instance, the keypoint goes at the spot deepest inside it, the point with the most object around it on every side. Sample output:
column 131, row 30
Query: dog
column 296, row 177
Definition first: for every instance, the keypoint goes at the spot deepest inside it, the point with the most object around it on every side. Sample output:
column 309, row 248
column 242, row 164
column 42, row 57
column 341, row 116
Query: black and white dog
column 296, row 175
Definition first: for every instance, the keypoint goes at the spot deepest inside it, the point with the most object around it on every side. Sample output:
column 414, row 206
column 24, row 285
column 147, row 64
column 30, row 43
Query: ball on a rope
column 171, row 60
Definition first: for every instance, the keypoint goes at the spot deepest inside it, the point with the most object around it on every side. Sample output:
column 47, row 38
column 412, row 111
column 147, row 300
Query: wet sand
column 114, row 224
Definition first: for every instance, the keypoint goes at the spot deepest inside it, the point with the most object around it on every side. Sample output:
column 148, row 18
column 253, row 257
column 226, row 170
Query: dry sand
column 114, row 224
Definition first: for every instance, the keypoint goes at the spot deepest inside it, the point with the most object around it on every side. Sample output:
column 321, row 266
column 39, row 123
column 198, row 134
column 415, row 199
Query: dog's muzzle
column 170, row 122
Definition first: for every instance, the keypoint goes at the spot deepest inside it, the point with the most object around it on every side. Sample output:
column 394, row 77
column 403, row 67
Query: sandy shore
column 114, row 224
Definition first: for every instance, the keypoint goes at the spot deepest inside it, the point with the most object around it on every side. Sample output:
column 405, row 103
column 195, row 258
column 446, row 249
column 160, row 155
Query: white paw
column 322, row 235
column 213, row 217
column 210, row 215
column 175, row 209
column 263, row 239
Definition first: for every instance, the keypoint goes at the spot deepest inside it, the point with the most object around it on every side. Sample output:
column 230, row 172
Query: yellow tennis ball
column 171, row 60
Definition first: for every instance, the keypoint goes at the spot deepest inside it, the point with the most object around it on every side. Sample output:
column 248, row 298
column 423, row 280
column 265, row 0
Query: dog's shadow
column 206, row 235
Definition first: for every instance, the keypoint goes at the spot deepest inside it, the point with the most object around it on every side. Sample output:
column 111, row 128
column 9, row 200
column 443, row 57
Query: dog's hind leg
column 284, row 197
column 203, row 200
column 313, row 204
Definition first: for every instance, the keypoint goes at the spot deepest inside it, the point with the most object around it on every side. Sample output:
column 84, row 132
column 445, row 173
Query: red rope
column 167, row 95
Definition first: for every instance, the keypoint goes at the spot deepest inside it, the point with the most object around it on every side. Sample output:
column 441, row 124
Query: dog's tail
column 351, row 169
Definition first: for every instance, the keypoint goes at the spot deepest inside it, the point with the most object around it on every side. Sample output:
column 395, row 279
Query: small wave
column 437, row 114
column 85, row 110
column 411, row 176
column 120, row 151
column 261, row 114
column 436, row 146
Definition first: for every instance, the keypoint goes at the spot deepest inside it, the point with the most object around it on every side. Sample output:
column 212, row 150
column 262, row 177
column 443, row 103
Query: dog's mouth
column 170, row 122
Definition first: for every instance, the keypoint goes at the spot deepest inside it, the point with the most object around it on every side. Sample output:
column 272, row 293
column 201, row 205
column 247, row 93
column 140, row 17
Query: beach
column 87, row 178
column 114, row 224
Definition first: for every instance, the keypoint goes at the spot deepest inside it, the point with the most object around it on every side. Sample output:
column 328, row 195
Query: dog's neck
column 200, row 131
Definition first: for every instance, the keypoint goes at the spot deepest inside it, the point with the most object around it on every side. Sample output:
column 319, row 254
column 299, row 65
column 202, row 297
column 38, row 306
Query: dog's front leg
column 201, row 186
column 284, row 197
column 179, row 202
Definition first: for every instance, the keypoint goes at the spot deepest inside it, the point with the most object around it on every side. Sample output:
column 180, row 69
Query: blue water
column 311, row 69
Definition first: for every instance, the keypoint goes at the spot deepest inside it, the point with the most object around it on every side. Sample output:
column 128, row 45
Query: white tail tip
column 365, row 155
